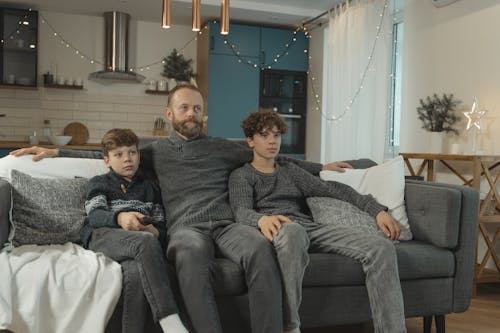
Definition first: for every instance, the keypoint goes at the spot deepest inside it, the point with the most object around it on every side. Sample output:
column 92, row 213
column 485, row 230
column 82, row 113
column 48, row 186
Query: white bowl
column 59, row 140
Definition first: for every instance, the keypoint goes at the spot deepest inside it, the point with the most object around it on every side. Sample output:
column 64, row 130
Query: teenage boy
column 126, row 222
column 269, row 194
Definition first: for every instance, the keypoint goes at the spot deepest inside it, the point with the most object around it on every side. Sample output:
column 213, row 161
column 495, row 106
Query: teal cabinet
column 233, row 92
column 284, row 49
column 246, row 39
column 229, row 79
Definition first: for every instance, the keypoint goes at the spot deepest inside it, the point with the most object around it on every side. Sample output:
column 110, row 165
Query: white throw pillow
column 386, row 182
column 60, row 167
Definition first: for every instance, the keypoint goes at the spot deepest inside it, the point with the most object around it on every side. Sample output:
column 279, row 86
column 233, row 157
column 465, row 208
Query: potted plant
column 178, row 68
column 438, row 115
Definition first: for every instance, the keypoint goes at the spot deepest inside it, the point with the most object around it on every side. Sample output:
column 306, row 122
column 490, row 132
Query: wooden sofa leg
column 427, row 324
column 440, row 323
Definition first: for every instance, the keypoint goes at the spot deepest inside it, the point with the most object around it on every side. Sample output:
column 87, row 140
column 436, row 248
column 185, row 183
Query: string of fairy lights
column 284, row 51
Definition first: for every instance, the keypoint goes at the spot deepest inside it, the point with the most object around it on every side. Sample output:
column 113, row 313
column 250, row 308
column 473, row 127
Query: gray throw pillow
column 46, row 210
column 337, row 212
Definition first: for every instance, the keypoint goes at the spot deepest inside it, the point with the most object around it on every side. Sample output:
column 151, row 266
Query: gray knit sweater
column 254, row 194
column 193, row 176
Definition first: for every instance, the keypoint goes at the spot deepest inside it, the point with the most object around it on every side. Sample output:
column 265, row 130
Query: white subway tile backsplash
column 70, row 105
column 79, row 115
column 25, row 111
column 100, row 106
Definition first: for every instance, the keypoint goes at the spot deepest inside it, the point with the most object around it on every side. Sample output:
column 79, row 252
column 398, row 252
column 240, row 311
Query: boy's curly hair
column 259, row 121
column 118, row 137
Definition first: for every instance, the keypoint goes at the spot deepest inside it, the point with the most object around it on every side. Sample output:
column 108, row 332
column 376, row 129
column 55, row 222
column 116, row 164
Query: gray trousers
column 376, row 254
column 139, row 252
column 193, row 249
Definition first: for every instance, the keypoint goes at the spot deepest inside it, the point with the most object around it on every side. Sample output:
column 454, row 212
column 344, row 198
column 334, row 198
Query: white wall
column 99, row 106
column 453, row 49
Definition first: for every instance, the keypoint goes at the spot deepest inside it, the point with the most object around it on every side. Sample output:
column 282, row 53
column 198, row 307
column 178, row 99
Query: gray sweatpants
column 376, row 254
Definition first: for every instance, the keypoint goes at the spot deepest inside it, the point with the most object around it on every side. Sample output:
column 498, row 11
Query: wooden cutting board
column 79, row 133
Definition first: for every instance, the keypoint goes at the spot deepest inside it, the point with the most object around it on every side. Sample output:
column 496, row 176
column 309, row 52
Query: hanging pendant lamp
column 224, row 17
column 196, row 16
column 166, row 20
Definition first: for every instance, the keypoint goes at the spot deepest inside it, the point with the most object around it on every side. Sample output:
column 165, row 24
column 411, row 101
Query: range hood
column 116, row 50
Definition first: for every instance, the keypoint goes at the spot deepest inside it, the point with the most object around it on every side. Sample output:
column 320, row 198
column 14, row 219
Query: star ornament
column 474, row 116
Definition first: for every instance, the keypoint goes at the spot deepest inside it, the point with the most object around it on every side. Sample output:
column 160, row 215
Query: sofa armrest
column 447, row 215
column 5, row 202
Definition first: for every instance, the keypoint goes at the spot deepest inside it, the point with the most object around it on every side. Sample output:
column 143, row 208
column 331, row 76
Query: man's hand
column 130, row 221
column 337, row 166
column 39, row 152
column 388, row 225
column 269, row 225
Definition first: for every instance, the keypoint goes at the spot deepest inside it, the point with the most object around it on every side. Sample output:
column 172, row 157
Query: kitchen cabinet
column 19, row 47
column 229, row 82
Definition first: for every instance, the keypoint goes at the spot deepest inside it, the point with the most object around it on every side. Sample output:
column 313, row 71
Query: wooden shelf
column 63, row 86
column 157, row 92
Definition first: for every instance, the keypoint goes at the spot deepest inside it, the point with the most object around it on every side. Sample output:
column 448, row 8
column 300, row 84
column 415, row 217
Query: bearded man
column 193, row 171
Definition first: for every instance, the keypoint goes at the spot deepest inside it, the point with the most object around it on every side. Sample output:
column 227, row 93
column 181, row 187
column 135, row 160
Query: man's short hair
column 258, row 121
column 118, row 137
column 178, row 87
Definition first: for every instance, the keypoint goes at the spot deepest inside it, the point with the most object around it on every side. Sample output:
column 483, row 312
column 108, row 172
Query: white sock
column 293, row 330
column 172, row 324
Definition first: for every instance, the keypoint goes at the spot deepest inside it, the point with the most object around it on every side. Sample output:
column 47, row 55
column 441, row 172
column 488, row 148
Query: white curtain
column 357, row 80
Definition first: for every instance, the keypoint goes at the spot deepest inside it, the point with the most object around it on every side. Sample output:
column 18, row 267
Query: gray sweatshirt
column 254, row 194
column 193, row 176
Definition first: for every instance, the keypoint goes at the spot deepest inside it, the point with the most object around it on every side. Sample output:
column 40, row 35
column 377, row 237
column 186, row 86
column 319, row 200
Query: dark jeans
column 145, row 252
column 193, row 251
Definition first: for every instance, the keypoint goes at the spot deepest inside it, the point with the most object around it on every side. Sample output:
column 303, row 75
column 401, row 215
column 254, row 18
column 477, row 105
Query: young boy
column 126, row 223
column 271, row 196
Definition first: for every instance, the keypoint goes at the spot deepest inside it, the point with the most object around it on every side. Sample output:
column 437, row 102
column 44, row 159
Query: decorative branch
column 438, row 114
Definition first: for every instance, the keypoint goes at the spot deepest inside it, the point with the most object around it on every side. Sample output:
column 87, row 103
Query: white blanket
column 57, row 288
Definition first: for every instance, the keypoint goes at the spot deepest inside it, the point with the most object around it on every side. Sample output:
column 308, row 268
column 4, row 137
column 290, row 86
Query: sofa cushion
column 416, row 260
column 337, row 212
column 46, row 211
column 385, row 182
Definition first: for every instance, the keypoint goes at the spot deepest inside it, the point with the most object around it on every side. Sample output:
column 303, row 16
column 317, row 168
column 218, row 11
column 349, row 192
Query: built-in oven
column 285, row 92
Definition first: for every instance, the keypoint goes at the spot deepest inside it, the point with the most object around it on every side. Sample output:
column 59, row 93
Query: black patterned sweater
column 110, row 194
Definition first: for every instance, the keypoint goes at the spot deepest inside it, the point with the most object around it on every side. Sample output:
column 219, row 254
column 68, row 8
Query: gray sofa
column 436, row 268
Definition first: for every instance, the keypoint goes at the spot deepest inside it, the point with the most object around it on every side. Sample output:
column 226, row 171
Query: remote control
column 146, row 220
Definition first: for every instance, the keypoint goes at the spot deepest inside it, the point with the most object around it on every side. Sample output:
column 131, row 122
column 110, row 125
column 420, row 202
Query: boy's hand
column 39, row 152
column 337, row 166
column 388, row 225
column 130, row 221
column 269, row 225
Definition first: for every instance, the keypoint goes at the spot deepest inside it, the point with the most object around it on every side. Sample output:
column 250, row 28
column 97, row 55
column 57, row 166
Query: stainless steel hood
column 116, row 50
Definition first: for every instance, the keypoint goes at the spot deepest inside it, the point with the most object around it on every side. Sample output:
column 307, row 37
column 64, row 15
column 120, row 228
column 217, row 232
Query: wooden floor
column 483, row 316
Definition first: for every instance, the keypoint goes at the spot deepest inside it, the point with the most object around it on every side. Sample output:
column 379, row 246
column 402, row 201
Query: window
column 394, row 119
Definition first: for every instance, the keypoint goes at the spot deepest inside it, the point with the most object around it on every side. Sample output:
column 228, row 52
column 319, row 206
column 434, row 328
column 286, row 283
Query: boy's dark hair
column 258, row 121
column 178, row 87
column 118, row 137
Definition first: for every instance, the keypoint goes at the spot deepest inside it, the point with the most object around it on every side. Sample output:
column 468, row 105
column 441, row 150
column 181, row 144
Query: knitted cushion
column 46, row 211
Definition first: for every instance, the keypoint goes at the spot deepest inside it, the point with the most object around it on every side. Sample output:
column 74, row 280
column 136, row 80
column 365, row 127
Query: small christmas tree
column 177, row 67
column 437, row 114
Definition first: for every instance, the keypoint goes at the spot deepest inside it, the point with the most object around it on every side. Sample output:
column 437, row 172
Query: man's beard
column 190, row 128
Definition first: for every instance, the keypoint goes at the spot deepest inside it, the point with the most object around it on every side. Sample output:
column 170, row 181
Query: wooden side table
column 486, row 166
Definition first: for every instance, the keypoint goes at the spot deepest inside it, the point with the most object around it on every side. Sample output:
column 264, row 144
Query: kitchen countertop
column 24, row 144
